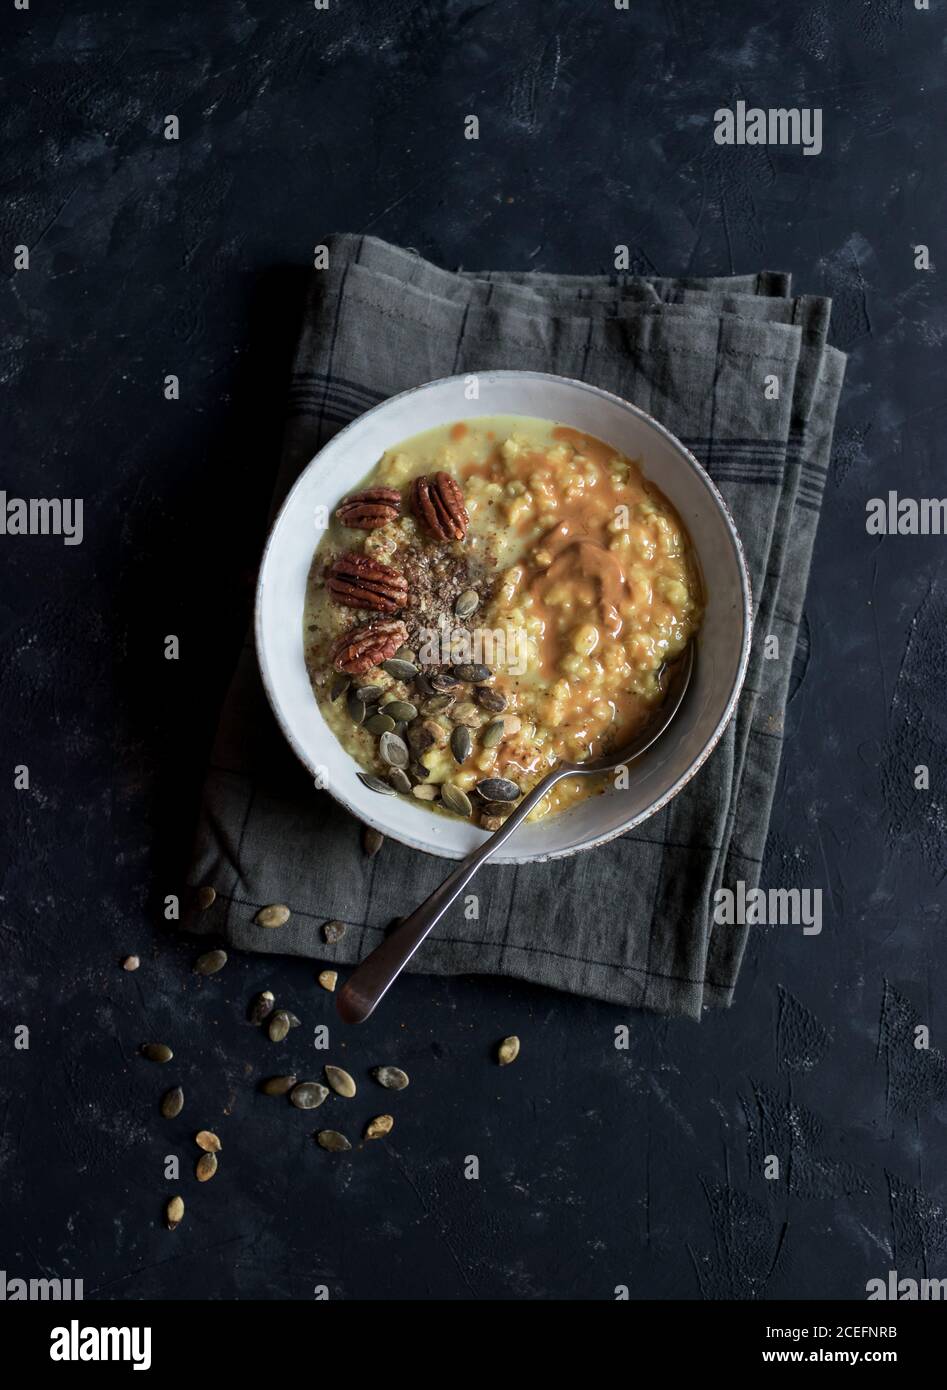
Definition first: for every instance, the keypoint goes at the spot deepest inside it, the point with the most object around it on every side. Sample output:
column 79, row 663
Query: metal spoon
column 370, row 982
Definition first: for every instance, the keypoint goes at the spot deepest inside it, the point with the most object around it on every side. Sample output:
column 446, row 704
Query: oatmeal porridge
column 498, row 595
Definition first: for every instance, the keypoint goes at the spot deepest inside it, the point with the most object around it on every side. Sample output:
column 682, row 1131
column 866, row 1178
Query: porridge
column 497, row 596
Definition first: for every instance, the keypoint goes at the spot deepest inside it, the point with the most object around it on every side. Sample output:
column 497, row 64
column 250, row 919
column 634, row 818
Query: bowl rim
column 746, row 610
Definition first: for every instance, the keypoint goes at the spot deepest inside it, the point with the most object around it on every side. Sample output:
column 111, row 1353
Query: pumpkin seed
column 466, row 713
column 338, row 687
column 438, row 704
column 471, row 671
column 418, row 771
column 375, row 784
column 368, row 694
column 508, row 1051
column 372, row 841
column 357, row 709
column 278, row 1026
column 399, row 669
column 493, row 733
column 174, row 1212
column 261, row 1006
column 328, row 979
column 400, row 780
column 393, row 750
column 131, row 963
column 340, row 1081
column 172, row 1103
column 379, row 1126
column 405, row 654
column 467, row 604
column 206, row 1167
column 332, row 1140
column 276, row 915
column 496, row 808
column 425, row 791
column 379, row 724
column 443, row 682
column 455, row 800
column 392, row 1078
column 156, row 1052
column 498, row 789
column 333, row 932
column 210, row 962
column 308, row 1095
column 461, row 743
column 277, row 1085
column 207, row 1140
column 400, row 711
column 422, row 685
column 488, row 698
column 206, row 898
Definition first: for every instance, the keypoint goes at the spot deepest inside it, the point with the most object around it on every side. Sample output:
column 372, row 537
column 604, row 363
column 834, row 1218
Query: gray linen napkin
column 632, row 921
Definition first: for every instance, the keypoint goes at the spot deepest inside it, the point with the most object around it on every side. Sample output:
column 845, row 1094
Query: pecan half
column 363, row 647
column 438, row 503
column 368, row 510
column 360, row 581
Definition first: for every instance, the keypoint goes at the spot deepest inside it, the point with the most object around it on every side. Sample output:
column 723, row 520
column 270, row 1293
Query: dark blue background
column 147, row 257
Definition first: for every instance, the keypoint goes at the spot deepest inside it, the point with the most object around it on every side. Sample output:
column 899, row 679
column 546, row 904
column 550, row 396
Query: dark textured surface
column 598, row 1166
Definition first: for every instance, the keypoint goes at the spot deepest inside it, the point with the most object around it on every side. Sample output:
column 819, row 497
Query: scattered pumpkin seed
column 206, row 898
column 444, row 681
column 261, row 1006
column 461, row 743
column 340, row 1081
column 276, row 915
column 508, row 1051
column 333, row 932
column 379, row 1126
column 308, row 1095
column 172, row 1103
column 422, row 685
column 467, row 604
column 379, row 724
column 392, row 1078
column 131, row 963
column 393, row 750
column 328, row 979
column 471, row 671
column 493, row 733
column 400, row 670
column 425, row 791
column 455, row 800
column 210, row 962
column 498, row 789
column 338, row 687
column 405, row 654
column 496, row 808
column 278, row 1026
column 278, row 1085
column 357, row 709
column 174, row 1212
column 332, row 1140
column 156, row 1052
column 372, row 841
column 207, row 1140
column 439, row 704
column 368, row 694
column 294, row 1022
column 375, row 784
column 490, row 699
column 400, row 710
column 400, row 780
column 206, row 1167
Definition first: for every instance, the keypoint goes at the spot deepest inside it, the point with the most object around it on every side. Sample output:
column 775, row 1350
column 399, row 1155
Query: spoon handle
column 370, row 981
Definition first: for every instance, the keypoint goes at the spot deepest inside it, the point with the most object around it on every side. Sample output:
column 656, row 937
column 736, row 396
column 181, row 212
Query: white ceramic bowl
column 723, row 642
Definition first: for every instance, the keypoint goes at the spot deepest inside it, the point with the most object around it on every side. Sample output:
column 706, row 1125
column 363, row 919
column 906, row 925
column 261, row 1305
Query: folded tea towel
column 632, row 921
